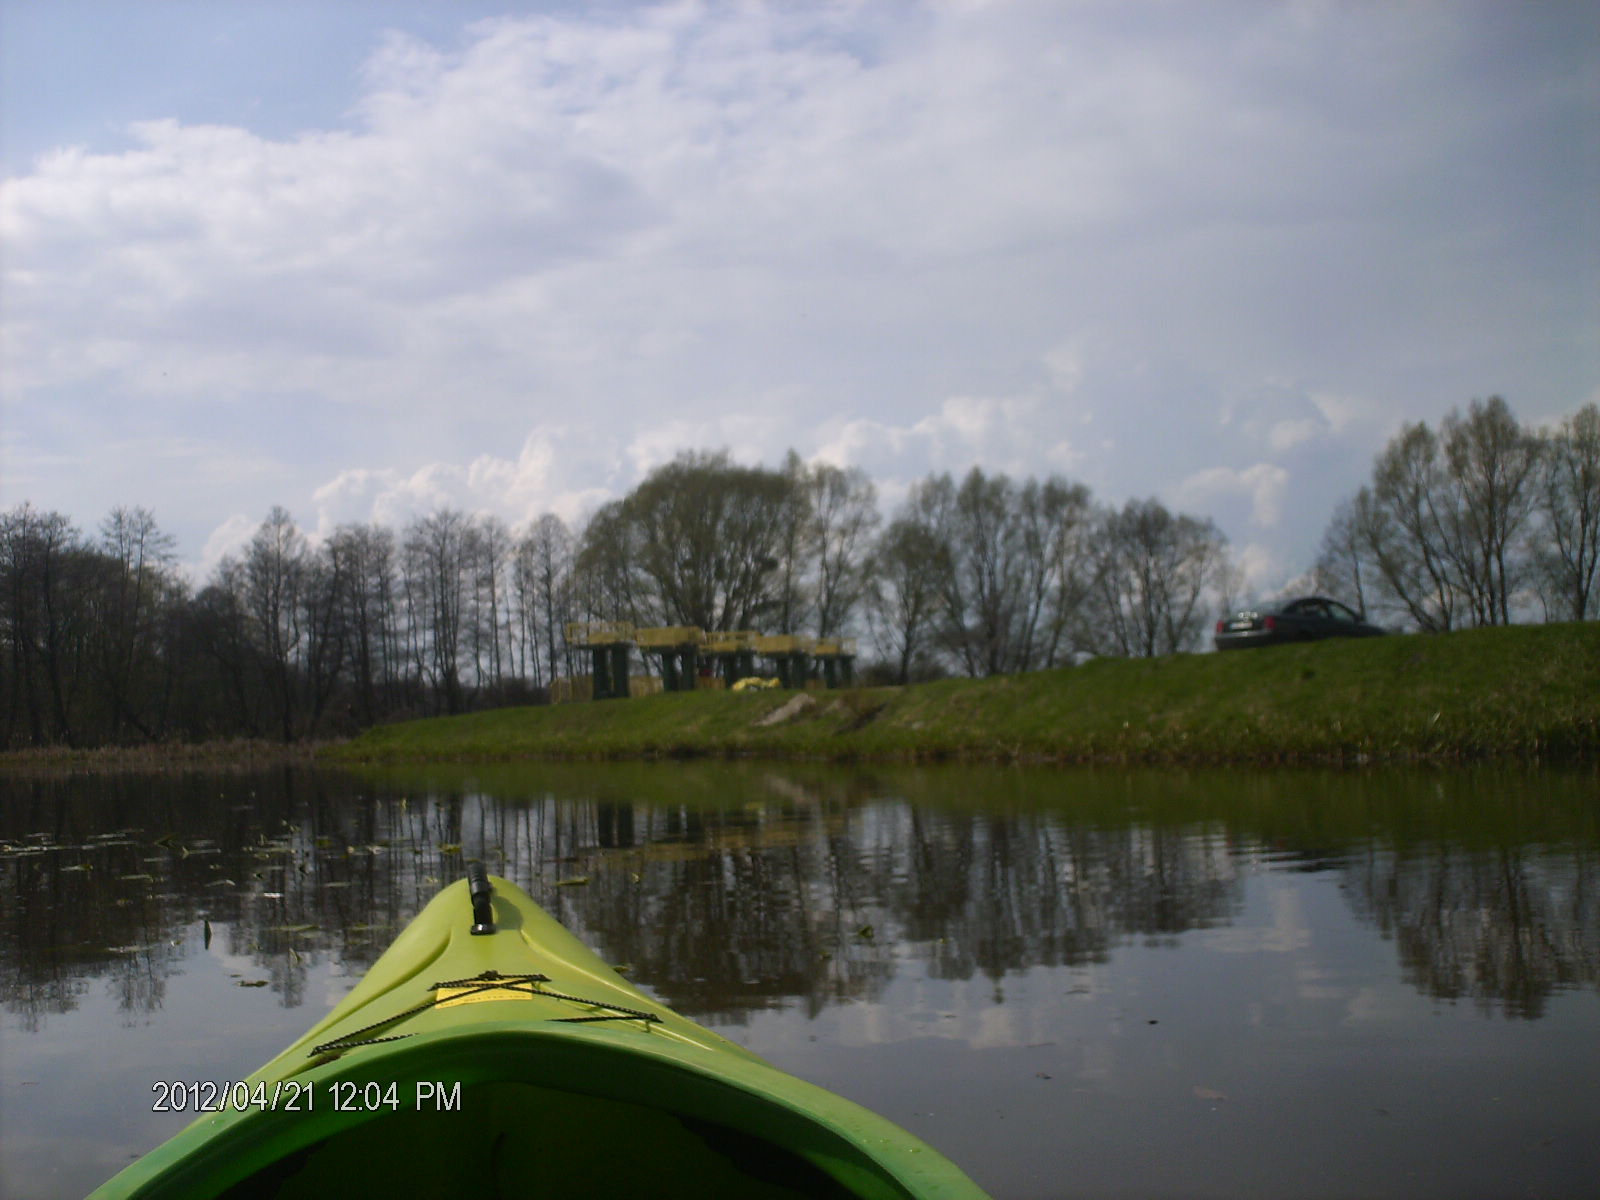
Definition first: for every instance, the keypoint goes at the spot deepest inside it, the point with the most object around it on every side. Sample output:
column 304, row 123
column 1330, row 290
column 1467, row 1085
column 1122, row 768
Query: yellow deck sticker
column 446, row 997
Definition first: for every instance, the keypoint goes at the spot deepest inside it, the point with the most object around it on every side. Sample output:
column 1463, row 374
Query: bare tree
column 273, row 574
column 608, row 584
column 1057, row 519
column 326, row 631
column 1018, row 565
column 1156, row 569
column 543, row 570
column 45, row 572
column 903, row 603
column 363, row 557
column 1489, row 493
column 1403, row 518
column 137, row 590
column 793, row 589
column 490, row 547
column 697, row 543
column 843, row 506
column 1343, row 566
column 982, row 589
column 1441, row 534
column 1568, row 506
column 437, row 559
column 223, row 637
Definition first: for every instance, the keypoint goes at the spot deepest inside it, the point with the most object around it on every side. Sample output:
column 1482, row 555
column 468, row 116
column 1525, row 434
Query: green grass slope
column 1529, row 692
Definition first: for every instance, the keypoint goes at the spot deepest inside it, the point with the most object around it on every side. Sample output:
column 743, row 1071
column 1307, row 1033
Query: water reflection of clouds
column 224, row 937
column 962, row 1012
column 1284, row 931
column 1375, row 1005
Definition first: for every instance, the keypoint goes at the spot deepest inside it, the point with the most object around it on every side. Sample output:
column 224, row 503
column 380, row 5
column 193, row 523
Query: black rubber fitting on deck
column 482, row 910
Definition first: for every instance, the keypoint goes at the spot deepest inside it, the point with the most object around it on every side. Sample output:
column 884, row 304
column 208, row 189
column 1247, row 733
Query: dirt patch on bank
column 788, row 711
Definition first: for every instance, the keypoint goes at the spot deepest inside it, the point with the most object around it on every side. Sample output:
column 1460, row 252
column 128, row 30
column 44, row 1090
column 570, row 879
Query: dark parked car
column 1307, row 619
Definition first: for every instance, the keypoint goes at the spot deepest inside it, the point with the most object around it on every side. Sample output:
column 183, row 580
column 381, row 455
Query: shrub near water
column 1527, row 693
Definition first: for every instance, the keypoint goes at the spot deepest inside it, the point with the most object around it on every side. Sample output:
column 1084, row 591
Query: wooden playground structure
column 692, row 658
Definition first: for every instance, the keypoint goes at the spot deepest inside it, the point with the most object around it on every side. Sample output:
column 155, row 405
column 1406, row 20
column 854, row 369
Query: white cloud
column 1263, row 484
column 555, row 471
column 845, row 443
column 1020, row 435
column 1345, row 413
column 1262, row 571
column 753, row 437
column 228, row 538
column 1065, row 367
column 970, row 429
column 1285, row 435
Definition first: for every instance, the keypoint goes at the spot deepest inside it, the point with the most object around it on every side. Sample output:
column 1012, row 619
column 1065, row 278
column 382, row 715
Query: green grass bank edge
column 230, row 754
column 1527, row 693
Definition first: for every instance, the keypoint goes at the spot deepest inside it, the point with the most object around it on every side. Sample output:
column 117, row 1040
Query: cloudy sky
column 368, row 258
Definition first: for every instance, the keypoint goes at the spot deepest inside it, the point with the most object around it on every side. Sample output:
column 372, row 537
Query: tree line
column 106, row 641
column 1480, row 522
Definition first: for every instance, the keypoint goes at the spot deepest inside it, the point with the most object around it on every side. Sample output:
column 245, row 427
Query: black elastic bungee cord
column 489, row 981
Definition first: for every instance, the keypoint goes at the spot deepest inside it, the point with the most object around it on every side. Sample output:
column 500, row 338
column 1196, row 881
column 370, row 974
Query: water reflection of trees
column 1034, row 888
column 1505, row 928
column 728, row 890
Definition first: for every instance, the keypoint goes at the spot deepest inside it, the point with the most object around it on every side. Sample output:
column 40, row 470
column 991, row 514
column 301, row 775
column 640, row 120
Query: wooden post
column 619, row 670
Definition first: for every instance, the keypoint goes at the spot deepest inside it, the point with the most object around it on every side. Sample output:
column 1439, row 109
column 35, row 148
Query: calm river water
column 1076, row 984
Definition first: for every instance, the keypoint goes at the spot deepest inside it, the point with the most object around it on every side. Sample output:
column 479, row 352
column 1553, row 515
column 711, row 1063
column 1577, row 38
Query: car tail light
column 1270, row 623
column 1221, row 626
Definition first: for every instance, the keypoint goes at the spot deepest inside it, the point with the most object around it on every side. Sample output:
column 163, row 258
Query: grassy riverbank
column 242, row 753
column 1529, row 693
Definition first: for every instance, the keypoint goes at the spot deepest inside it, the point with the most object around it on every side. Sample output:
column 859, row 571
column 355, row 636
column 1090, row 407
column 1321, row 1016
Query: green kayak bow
column 490, row 1053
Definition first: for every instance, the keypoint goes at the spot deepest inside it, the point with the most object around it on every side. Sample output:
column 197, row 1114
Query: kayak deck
column 514, row 1062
